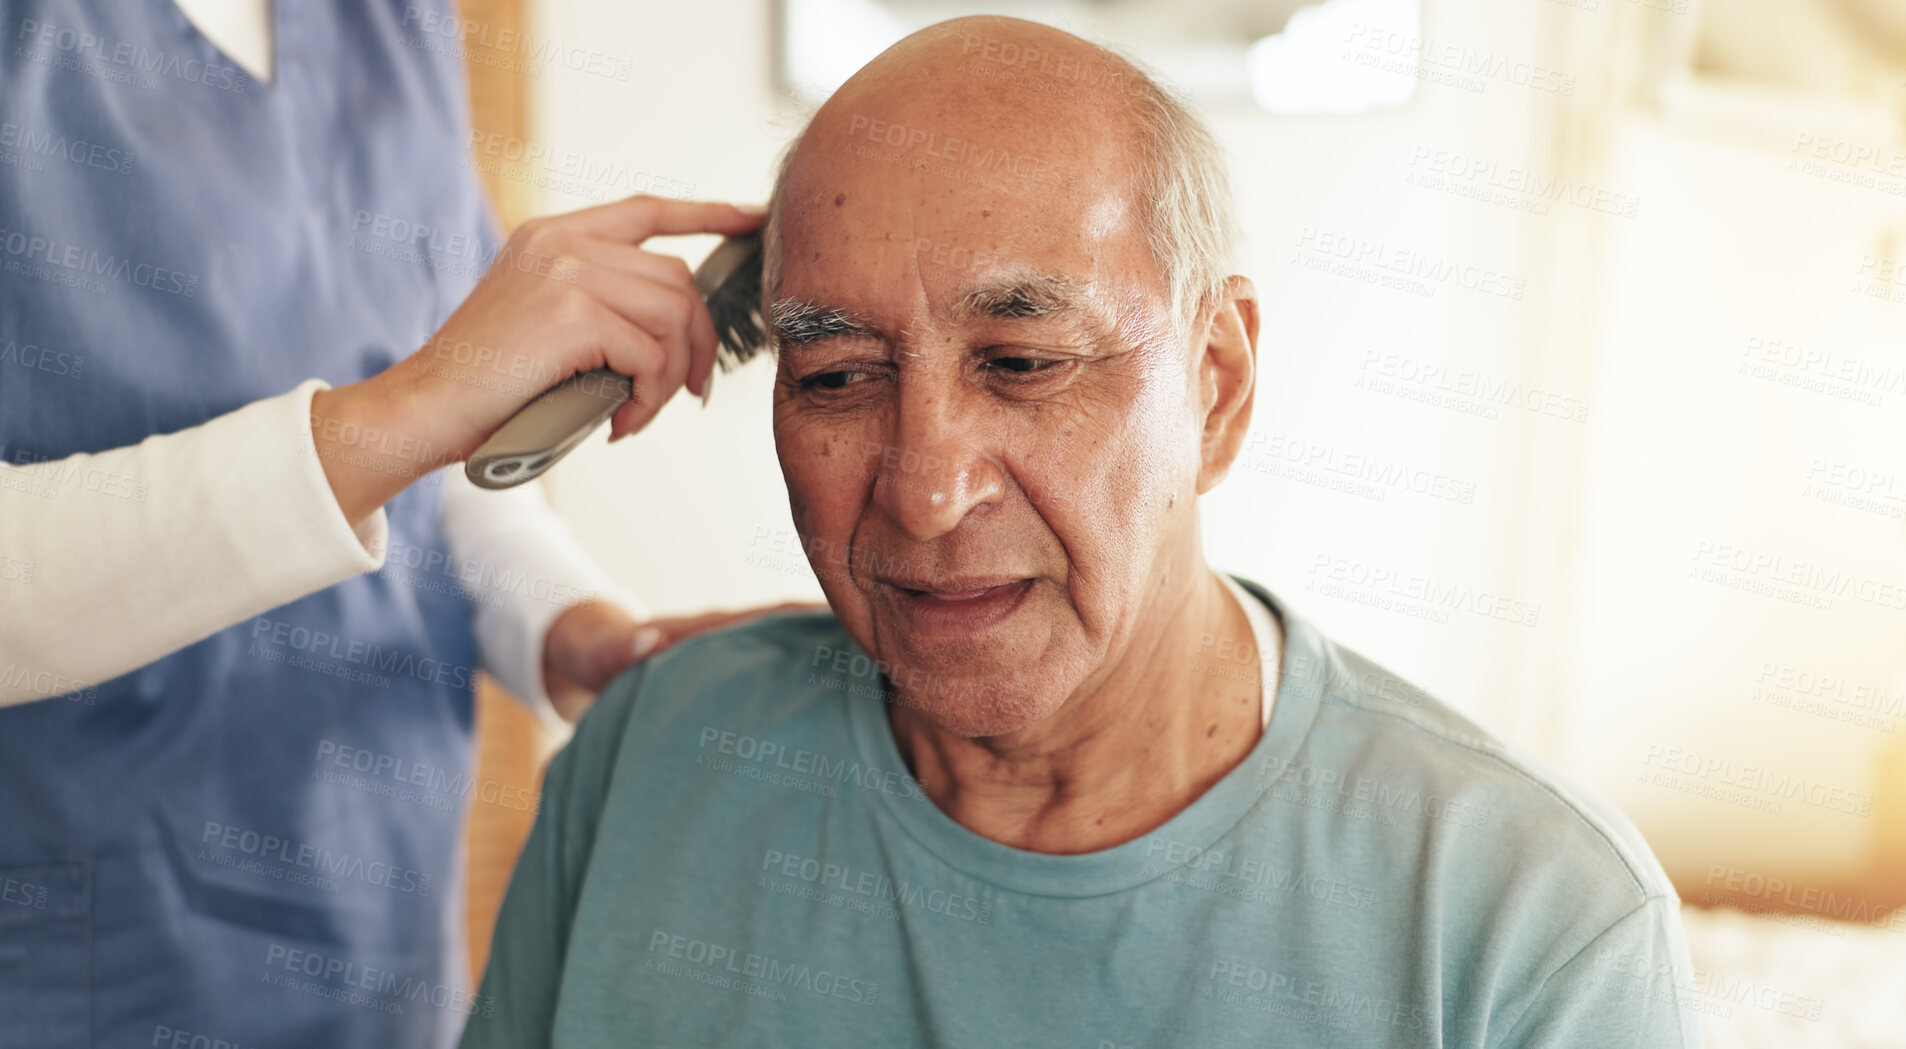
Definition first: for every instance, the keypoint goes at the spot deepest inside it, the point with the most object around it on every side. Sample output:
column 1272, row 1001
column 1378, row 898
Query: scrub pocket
column 45, row 970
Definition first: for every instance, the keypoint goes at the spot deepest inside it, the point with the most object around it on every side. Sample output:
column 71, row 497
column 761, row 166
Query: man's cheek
column 828, row 484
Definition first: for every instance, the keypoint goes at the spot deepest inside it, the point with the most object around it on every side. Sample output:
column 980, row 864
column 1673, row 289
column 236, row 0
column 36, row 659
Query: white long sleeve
column 113, row 560
column 521, row 566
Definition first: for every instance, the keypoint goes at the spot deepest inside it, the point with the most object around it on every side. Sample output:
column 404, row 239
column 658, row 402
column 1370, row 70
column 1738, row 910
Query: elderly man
column 1043, row 777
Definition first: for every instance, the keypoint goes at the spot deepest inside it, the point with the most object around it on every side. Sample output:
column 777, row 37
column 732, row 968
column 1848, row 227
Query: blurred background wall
column 1582, row 398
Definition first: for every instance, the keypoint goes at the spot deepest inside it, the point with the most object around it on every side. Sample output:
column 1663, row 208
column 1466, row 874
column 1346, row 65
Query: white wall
column 1716, row 582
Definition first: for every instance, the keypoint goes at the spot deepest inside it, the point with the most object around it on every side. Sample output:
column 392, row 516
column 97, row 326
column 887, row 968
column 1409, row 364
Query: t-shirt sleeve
column 516, row 1004
column 1629, row 988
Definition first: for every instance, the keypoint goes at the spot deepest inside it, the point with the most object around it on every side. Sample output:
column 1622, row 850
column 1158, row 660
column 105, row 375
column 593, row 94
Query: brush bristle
column 735, row 305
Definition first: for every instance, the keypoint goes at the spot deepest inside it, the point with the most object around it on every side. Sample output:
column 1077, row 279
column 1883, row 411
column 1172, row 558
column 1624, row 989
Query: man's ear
column 1227, row 379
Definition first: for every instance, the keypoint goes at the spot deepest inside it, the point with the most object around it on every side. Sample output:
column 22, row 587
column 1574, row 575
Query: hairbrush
column 561, row 417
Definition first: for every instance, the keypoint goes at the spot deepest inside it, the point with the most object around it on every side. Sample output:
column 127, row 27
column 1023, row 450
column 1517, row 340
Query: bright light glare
column 829, row 40
column 1312, row 66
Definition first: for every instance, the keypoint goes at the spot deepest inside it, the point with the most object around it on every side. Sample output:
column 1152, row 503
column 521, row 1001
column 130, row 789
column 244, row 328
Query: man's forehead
column 890, row 265
column 987, row 144
column 837, row 205
column 923, row 128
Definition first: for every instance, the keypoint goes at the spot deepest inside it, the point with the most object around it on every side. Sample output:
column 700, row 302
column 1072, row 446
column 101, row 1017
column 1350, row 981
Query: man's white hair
column 1183, row 175
column 1180, row 174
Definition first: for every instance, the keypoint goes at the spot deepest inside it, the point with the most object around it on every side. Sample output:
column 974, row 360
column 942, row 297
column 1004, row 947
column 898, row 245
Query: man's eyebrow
column 1034, row 296
column 796, row 321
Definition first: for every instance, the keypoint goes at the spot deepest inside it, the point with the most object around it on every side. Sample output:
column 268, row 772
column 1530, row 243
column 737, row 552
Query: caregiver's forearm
column 112, row 560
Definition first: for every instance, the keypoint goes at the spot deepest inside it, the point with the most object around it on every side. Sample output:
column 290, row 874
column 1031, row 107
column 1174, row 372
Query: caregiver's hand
column 567, row 294
column 592, row 642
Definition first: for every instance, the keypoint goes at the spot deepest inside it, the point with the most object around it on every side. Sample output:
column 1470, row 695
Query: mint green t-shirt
column 731, row 852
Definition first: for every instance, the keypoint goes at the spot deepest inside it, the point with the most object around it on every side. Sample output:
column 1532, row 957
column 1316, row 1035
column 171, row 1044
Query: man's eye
column 831, row 380
column 1020, row 365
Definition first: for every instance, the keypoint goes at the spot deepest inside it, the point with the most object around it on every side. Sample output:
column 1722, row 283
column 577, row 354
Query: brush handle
column 548, row 428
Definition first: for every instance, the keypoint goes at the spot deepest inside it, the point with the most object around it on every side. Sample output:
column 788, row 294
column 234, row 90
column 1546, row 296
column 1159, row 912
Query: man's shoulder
column 1516, row 869
column 1496, row 801
column 770, row 644
column 777, row 659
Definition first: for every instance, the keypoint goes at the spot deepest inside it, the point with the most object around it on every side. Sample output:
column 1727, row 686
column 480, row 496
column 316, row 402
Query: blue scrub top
column 257, row 840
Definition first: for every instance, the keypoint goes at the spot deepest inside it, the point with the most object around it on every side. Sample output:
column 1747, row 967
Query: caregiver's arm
column 182, row 535
column 552, row 627
column 568, row 293
column 125, row 556
column 109, row 561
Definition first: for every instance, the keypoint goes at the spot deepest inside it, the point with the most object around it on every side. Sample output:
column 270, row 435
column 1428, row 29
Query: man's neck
column 1117, row 761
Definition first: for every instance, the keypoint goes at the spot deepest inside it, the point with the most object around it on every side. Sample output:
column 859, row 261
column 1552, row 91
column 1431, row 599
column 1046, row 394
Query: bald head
column 1019, row 107
column 1025, row 78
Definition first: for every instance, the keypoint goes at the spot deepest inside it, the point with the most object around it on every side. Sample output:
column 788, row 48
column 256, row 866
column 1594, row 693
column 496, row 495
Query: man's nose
column 938, row 466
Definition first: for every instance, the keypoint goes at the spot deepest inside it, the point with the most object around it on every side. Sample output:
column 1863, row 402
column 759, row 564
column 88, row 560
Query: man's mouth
column 955, row 607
